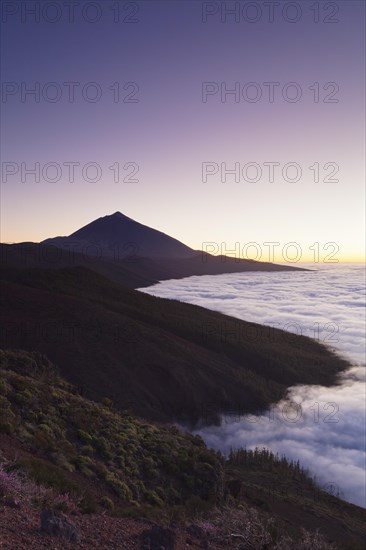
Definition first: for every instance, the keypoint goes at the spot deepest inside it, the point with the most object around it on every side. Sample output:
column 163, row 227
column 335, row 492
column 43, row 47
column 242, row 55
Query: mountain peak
column 119, row 232
column 117, row 214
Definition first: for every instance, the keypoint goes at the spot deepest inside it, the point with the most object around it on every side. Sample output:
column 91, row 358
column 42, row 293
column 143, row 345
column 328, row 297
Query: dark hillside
column 133, row 271
column 162, row 358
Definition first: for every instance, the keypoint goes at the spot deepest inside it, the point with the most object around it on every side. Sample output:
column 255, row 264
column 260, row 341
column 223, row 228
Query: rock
column 57, row 524
column 158, row 538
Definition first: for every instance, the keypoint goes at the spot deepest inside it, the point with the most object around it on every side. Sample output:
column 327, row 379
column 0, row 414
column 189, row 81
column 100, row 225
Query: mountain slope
column 118, row 236
column 61, row 451
column 134, row 271
column 129, row 272
column 161, row 358
column 46, row 413
column 149, row 253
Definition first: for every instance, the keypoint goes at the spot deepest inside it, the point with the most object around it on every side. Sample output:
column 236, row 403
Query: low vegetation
column 75, row 455
column 137, row 462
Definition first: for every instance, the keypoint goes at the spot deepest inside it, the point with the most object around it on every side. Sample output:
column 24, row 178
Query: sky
column 211, row 125
column 322, row 427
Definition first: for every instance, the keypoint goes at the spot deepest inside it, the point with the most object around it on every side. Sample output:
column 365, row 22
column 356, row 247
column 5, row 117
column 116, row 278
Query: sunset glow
column 220, row 132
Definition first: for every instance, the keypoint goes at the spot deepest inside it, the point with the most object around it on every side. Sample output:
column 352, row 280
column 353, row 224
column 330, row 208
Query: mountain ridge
column 117, row 233
column 107, row 246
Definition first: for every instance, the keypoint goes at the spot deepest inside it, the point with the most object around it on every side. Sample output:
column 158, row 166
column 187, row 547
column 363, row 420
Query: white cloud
column 328, row 435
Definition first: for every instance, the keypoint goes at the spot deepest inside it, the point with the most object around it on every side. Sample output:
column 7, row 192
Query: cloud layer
column 323, row 427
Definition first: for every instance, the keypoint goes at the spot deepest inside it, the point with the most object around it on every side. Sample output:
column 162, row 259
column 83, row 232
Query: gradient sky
column 169, row 52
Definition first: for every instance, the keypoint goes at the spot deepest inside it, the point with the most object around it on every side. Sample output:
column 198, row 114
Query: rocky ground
column 20, row 529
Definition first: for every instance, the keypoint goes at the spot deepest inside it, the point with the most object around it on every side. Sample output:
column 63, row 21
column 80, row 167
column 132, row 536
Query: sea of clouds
column 322, row 427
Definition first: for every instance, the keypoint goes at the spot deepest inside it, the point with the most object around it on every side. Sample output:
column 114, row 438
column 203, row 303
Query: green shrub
column 43, row 439
column 4, row 388
column 66, row 447
column 67, row 466
column 46, row 474
column 119, row 487
column 87, row 450
column 107, row 503
column 4, row 404
column 85, row 465
column 6, row 427
column 47, row 430
column 88, row 504
column 153, row 498
column 84, row 436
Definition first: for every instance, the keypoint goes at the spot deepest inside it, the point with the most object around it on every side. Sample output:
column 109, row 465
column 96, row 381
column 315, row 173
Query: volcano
column 117, row 236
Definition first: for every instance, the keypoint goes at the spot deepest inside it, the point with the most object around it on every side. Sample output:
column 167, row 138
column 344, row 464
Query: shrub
column 107, row 503
column 87, row 450
column 84, row 436
column 3, row 387
column 7, row 428
column 63, row 503
column 49, row 475
column 85, row 464
column 119, row 487
column 46, row 429
column 5, row 404
column 153, row 498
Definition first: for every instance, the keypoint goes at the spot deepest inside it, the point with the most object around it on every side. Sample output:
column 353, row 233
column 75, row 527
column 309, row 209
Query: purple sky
column 168, row 132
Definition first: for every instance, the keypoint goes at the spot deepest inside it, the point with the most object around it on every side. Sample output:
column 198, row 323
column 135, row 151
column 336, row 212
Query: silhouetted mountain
column 126, row 252
column 118, row 236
